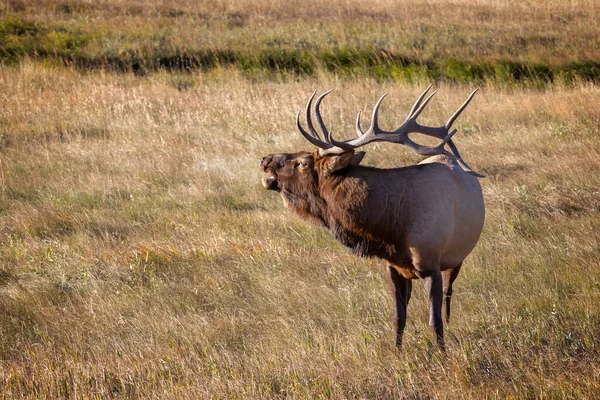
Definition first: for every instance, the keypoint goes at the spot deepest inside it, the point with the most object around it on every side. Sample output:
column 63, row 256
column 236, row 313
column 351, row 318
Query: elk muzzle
column 269, row 182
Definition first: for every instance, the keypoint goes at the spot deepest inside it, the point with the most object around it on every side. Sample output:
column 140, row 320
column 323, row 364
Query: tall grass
column 140, row 257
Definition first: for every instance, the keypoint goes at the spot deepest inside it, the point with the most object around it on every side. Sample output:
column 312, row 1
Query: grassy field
column 141, row 258
column 449, row 40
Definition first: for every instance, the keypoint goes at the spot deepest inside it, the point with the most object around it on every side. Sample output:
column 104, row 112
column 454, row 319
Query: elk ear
column 337, row 162
column 357, row 158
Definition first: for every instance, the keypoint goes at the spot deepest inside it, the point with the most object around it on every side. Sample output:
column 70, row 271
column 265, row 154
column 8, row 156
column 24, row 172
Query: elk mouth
column 270, row 183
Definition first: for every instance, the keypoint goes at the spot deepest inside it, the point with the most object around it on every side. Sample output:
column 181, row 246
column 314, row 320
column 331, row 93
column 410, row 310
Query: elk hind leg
column 433, row 289
column 401, row 288
column 448, row 276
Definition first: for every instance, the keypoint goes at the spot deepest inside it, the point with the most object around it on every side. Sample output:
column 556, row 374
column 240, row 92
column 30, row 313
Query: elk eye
column 301, row 165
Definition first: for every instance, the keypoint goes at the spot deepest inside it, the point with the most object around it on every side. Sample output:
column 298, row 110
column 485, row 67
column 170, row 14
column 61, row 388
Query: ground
column 141, row 257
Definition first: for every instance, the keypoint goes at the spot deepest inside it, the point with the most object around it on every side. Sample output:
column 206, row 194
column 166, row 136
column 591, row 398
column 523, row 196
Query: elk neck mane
column 359, row 208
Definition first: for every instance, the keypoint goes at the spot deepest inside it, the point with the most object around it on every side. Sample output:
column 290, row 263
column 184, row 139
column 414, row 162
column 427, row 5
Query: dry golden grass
column 140, row 257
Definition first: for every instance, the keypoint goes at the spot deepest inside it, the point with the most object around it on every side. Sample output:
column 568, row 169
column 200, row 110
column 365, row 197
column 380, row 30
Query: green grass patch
column 143, row 53
column 20, row 38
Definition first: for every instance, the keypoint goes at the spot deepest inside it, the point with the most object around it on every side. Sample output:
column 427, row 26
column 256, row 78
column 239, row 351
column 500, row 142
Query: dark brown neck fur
column 361, row 213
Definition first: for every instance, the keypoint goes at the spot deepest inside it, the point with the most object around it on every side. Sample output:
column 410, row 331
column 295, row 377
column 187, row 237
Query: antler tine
column 324, row 131
column 447, row 138
column 311, row 127
column 363, row 137
column 468, row 169
column 330, row 137
column 418, row 102
column 359, row 131
column 325, row 145
column 429, row 150
column 413, row 116
column 374, row 121
column 462, row 162
column 457, row 113
column 309, row 137
column 374, row 117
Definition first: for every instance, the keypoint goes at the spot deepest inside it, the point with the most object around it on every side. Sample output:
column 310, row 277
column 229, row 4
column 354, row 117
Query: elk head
column 298, row 177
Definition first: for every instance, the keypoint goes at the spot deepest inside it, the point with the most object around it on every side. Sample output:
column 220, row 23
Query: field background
column 141, row 258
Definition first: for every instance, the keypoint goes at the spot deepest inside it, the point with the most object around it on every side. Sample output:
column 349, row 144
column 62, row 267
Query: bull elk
column 422, row 219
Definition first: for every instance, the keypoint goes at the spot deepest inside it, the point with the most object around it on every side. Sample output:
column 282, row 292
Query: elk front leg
column 401, row 288
column 433, row 288
column 448, row 277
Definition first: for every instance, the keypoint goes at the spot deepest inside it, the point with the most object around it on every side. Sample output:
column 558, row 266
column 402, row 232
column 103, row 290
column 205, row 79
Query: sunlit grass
column 140, row 256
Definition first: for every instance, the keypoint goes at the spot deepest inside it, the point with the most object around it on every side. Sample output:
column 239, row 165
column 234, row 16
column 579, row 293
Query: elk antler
column 328, row 145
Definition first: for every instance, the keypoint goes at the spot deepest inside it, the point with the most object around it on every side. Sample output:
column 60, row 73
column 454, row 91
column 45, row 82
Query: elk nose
column 263, row 162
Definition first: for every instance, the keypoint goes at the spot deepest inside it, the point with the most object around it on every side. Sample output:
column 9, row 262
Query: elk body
column 422, row 219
